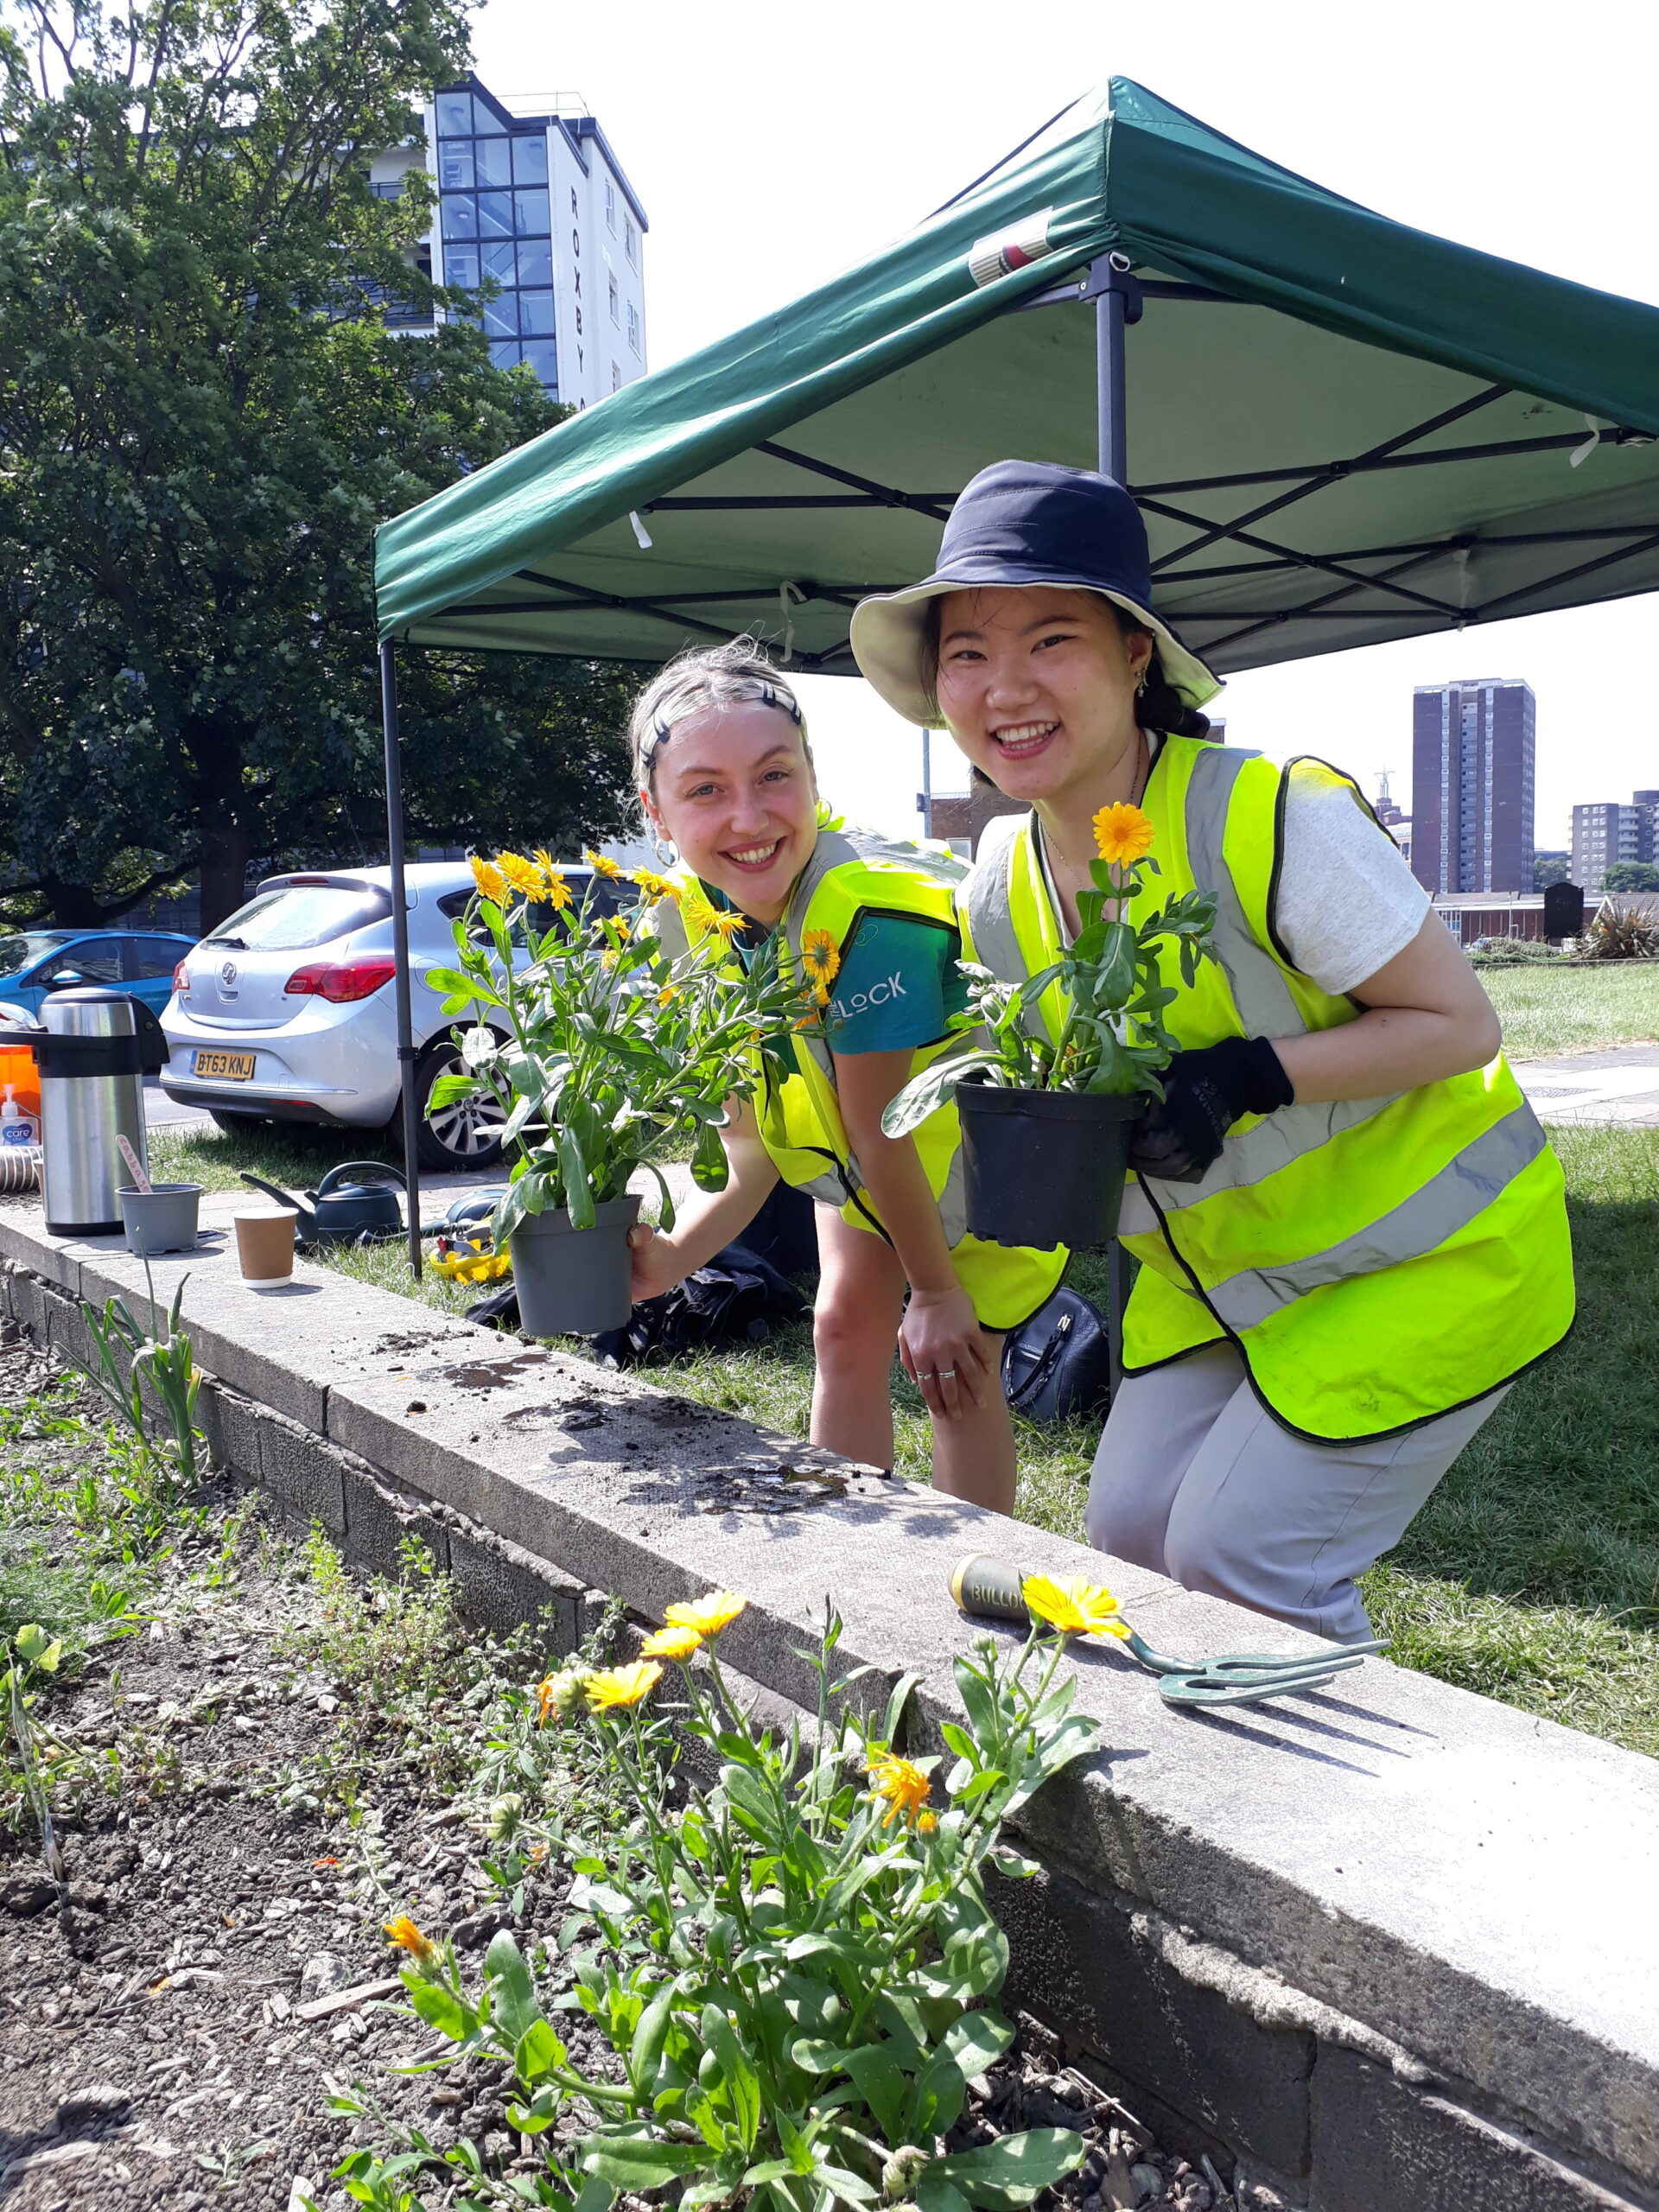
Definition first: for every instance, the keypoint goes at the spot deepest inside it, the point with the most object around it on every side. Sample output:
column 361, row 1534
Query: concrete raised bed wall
column 1388, row 1948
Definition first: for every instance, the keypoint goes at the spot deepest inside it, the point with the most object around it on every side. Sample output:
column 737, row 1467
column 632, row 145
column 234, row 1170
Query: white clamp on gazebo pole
column 1117, row 303
column 400, row 953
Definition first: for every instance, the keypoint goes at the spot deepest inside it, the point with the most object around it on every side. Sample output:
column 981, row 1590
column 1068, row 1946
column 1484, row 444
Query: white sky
column 773, row 144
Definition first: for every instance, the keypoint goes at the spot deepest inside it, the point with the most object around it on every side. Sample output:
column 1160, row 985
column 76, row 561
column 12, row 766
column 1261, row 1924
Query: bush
column 1512, row 952
column 1622, row 933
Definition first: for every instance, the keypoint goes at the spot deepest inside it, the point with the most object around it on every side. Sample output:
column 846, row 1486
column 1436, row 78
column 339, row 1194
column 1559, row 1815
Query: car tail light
column 340, row 981
column 181, row 979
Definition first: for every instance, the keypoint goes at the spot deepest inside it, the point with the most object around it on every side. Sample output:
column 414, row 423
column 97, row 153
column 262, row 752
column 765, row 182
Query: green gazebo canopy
column 1340, row 429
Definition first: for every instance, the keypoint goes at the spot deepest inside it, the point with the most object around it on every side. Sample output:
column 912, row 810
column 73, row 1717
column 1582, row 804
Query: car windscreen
column 290, row 917
column 17, row 953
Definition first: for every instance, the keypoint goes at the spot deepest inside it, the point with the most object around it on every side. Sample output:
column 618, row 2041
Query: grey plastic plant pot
column 574, row 1283
column 162, row 1219
column 1045, row 1168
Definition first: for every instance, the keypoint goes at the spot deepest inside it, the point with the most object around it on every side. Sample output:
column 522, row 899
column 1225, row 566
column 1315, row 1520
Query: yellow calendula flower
column 927, row 1822
column 671, row 1644
column 616, row 1686
column 556, row 893
column 1072, row 1606
column 708, row 1615
column 669, row 992
column 819, row 956
column 490, row 880
column 601, row 865
column 524, row 875
column 726, row 926
column 904, row 1787
column 408, row 1937
column 608, row 960
column 1122, row 834
column 652, row 885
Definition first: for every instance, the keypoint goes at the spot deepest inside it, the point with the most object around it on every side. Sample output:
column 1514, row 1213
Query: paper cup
column 264, row 1245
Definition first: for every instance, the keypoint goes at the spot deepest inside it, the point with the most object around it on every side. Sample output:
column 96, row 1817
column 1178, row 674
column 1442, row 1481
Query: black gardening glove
column 1204, row 1093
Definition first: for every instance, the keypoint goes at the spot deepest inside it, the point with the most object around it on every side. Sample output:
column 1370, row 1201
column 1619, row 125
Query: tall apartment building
column 540, row 204
column 1607, row 832
column 1471, row 797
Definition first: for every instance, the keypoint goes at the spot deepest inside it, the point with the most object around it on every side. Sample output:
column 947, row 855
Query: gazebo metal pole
column 1117, row 303
column 400, row 952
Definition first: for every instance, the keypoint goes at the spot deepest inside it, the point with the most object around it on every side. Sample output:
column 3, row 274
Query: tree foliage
column 203, row 415
column 1630, row 875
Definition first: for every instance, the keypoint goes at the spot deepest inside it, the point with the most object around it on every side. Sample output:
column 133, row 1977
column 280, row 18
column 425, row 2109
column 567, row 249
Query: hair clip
column 770, row 698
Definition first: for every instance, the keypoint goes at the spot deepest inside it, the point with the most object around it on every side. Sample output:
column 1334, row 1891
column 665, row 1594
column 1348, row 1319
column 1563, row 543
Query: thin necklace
column 1137, row 790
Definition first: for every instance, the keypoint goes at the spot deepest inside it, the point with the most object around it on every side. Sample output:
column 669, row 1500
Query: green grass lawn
column 293, row 1155
column 1572, row 1009
column 1533, row 1574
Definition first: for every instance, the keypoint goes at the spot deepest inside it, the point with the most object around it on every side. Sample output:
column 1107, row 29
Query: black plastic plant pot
column 574, row 1283
column 1045, row 1168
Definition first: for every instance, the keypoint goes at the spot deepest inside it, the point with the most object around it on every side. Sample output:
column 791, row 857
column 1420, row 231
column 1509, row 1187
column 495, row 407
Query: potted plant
column 1045, row 1118
column 605, row 1055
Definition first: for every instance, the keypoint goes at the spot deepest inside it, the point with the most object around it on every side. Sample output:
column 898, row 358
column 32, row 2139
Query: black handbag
column 1059, row 1365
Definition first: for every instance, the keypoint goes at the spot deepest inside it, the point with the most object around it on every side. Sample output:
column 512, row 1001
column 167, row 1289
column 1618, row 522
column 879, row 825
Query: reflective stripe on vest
column 1451, row 1181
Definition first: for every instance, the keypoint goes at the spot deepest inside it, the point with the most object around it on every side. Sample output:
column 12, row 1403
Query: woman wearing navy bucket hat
column 1351, row 1231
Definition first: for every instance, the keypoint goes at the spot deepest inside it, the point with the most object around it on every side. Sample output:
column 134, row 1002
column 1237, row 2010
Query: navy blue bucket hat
column 1024, row 523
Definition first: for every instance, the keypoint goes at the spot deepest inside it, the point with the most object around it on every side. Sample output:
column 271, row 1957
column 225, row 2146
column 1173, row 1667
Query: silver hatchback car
column 287, row 1012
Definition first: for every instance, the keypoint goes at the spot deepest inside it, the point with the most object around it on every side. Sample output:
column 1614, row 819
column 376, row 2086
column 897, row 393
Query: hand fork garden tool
column 1246, row 1677
column 996, row 1589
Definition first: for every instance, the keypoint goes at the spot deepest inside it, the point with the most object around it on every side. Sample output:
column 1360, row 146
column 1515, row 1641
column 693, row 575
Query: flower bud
column 902, row 2171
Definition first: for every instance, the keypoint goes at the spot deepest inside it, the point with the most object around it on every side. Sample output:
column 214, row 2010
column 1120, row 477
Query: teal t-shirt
column 897, row 984
column 897, row 987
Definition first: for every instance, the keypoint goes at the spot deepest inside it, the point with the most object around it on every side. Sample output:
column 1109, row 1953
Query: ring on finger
column 946, row 1374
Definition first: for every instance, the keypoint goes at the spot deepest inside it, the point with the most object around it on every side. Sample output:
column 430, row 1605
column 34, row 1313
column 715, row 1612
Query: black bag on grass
column 1059, row 1366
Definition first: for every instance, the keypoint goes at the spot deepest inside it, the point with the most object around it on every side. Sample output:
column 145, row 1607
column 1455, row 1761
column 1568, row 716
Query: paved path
column 163, row 1112
column 1619, row 1086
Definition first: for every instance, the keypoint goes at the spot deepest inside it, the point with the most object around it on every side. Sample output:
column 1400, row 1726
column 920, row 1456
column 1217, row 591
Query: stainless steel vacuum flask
column 98, row 1047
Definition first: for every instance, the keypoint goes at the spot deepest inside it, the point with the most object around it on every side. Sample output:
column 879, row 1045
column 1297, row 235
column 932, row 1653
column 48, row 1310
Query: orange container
column 17, row 1068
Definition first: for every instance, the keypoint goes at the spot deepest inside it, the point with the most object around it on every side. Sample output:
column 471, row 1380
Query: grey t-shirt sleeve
column 1348, row 901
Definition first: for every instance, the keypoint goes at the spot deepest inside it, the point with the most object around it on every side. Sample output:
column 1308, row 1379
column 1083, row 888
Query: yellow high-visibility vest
column 853, row 873
column 1377, row 1262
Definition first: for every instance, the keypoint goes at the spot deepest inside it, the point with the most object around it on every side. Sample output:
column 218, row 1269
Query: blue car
column 34, row 962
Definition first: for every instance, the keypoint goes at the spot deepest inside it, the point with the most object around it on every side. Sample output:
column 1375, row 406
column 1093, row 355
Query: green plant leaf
column 935, row 2194
column 537, row 2053
column 742, row 2082
column 635, row 2162
column 512, row 1992
column 1013, row 2170
column 924, row 1094
column 710, row 1170
column 440, row 2008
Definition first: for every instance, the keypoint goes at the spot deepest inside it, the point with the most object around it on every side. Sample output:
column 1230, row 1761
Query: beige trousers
column 1195, row 1480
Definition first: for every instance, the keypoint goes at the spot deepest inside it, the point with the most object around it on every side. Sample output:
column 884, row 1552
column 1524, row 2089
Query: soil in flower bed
column 263, row 1759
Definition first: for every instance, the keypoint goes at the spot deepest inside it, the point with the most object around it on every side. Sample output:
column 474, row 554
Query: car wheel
column 238, row 1125
column 467, row 1134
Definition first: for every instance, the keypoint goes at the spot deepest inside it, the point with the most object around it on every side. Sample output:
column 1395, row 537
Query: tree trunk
column 225, row 854
column 222, row 825
column 73, row 905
